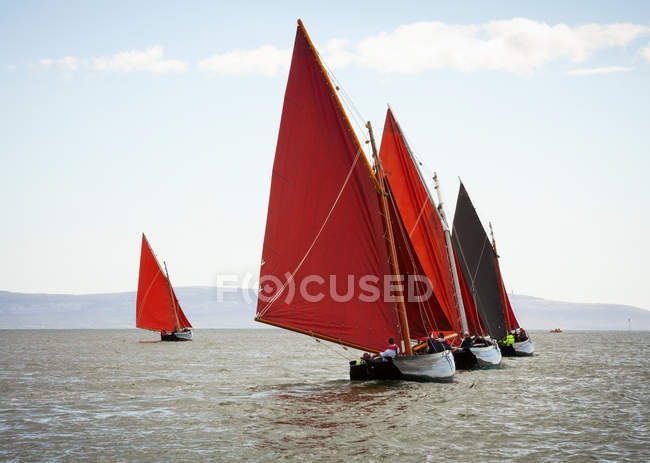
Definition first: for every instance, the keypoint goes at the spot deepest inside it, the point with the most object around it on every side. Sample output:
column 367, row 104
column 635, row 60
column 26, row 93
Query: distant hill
column 538, row 313
column 117, row 310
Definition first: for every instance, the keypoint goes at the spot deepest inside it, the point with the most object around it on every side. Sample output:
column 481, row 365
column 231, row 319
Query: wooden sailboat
column 480, row 266
column 427, row 229
column 329, row 223
column 157, row 308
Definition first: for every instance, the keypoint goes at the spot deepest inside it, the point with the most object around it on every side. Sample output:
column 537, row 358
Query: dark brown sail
column 477, row 260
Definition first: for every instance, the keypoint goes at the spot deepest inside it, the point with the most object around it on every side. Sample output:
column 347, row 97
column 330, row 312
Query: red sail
column 324, row 226
column 420, row 218
column 154, row 308
column 511, row 320
column 424, row 313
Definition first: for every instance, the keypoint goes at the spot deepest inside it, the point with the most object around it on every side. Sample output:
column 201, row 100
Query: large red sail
column 324, row 224
column 154, row 308
column 420, row 218
column 511, row 320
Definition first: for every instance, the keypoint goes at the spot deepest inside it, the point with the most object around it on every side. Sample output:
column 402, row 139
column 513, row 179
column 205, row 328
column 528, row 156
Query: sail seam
column 322, row 227
column 146, row 294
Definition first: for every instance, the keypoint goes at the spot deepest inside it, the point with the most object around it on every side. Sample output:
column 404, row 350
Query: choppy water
column 271, row 395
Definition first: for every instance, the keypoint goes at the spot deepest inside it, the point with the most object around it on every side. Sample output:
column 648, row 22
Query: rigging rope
column 473, row 280
column 327, row 344
column 419, row 215
column 290, row 279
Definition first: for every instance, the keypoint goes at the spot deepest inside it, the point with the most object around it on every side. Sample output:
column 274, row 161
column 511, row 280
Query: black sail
column 478, row 261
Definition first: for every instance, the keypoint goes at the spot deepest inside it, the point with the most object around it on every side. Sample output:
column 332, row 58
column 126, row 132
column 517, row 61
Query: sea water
column 267, row 395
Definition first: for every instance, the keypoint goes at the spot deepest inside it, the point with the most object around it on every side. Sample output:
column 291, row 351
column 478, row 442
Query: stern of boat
column 487, row 357
column 524, row 348
column 438, row 367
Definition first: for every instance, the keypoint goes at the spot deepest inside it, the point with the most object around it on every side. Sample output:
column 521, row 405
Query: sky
column 119, row 118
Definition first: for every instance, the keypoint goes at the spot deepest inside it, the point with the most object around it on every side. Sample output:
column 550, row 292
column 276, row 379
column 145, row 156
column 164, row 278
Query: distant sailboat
column 330, row 220
column 427, row 229
column 157, row 308
column 479, row 262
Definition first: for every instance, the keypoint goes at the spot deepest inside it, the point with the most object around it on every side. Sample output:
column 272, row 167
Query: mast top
column 494, row 243
column 401, row 308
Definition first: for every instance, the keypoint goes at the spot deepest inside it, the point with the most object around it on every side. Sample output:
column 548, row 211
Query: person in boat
column 366, row 358
column 523, row 336
column 509, row 340
column 467, row 341
column 391, row 352
column 437, row 345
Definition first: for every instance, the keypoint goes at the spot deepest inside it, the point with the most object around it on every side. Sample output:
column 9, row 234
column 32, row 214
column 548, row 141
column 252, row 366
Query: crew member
column 437, row 345
column 522, row 334
column 391, row 352
column 467, row 341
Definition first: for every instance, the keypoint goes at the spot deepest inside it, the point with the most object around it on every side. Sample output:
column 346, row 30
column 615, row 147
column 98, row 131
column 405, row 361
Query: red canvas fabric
column 323, row 218
column 420, row 218
column 154, row 310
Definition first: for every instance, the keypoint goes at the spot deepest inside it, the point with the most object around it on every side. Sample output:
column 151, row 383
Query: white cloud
column 337, row 55
column 645, row 52
column 516, row 45
column 605, row 70
column 149, row 60
column 266, row 60
column 11, row 67
column 68, row 63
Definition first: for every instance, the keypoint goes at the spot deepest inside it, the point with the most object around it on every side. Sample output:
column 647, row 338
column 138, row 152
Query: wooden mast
column 452, row 258
column 440, row 212
column 401, row 308
column 172, row 299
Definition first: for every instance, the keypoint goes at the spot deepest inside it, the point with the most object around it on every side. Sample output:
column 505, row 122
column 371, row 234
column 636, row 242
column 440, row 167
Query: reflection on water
column 266, row 395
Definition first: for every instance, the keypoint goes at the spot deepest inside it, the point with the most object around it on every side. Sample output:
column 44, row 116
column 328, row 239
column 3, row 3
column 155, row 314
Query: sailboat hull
column 519, row 349
column 524, row 348
column 177, row 336
column 487, row 357
column 438, row 367
column 478, row 358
